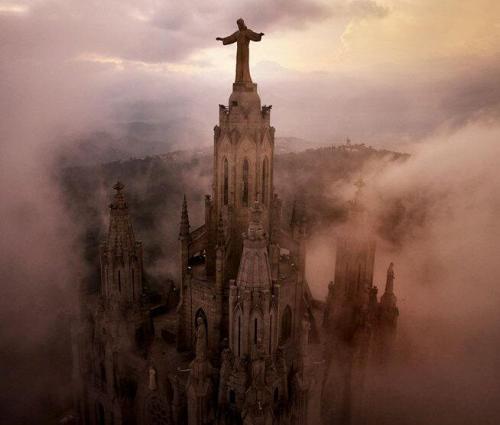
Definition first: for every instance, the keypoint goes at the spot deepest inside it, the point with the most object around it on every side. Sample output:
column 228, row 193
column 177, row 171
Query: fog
column 71, row 69
column 435, row 217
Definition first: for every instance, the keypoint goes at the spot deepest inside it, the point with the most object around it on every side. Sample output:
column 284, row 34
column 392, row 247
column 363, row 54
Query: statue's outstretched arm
column 254, row 36
column 229, row 39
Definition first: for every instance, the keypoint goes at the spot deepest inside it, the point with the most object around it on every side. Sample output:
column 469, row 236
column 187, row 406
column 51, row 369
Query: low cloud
column 435, row 216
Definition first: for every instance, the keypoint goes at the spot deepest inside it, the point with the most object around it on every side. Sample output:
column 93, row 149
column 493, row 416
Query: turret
column 388, row 316
column 388, row 300
column 183, row 334
column 121, row 255
column 252, row 315
column 388, row 309
column 184, row 238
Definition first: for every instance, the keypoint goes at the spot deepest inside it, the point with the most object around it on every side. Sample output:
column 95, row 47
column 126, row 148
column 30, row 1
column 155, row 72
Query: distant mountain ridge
column 140, row 139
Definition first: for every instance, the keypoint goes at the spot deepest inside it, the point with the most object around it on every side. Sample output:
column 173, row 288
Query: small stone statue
column 152, row 379
column 201, row 339
column 242, row 37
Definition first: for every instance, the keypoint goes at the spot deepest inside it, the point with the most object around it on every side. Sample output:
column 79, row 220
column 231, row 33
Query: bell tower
column 243, row 160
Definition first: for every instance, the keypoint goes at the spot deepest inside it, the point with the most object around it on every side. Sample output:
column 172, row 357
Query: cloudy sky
column 418, row 75
column 386, row 71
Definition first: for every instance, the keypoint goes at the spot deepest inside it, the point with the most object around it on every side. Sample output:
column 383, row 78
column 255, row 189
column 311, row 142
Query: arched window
column 119, row 281
column 245, row 183
column 270, row 333
column 236, row 333
column 286, row 324
column 255, row 330
column 226, row 181
column 265, row 172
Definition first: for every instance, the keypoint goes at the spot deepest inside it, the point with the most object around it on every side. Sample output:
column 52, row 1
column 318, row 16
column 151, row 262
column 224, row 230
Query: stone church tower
column 242, row 175
column 243, row 164
column 115, row 327
column 359, row 329
column 242, row 274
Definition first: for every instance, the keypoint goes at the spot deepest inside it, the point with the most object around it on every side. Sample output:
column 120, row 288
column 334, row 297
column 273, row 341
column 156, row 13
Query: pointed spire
column 389, row 285
column 119, row 197
column 388, row 300
column 120, row 234
column 184, row 226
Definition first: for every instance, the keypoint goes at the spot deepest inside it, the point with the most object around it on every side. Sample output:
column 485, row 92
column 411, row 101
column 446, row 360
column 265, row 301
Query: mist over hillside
column 139, row 139
column 155, row 186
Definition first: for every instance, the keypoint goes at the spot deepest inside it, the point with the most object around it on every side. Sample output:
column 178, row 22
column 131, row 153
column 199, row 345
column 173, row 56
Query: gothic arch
column 201, row 313
column 237, row 331
column 255, row 327
column 235, row 136
column 286, row 324
column 225, row 182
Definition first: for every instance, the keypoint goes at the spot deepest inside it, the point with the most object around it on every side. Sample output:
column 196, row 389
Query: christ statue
column 242, row 37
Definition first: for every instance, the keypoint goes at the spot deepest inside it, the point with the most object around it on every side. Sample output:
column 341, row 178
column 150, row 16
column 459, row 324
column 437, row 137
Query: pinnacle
column 118, row 186
column 184, row 225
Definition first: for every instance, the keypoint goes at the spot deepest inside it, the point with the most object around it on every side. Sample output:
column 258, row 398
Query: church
column 233, row 347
